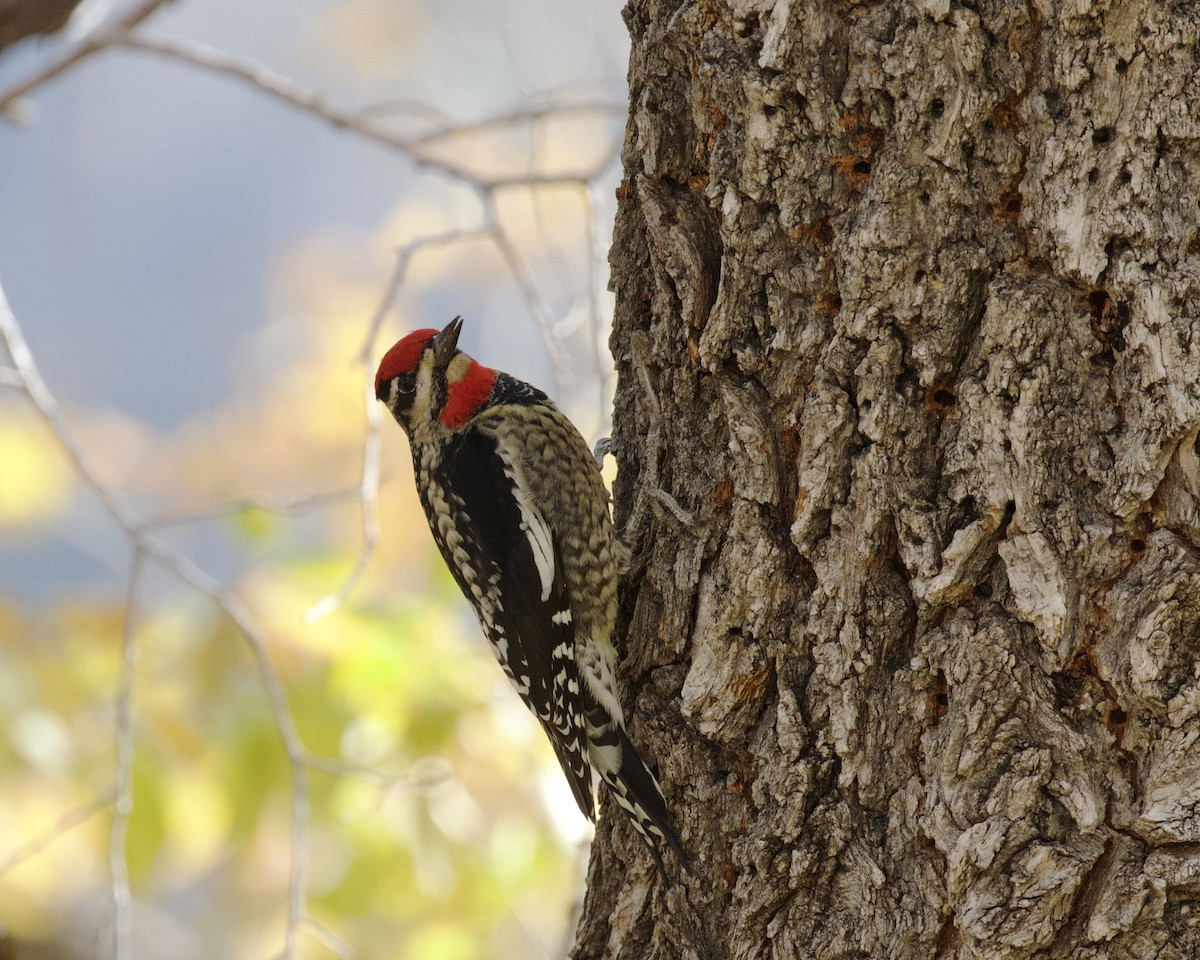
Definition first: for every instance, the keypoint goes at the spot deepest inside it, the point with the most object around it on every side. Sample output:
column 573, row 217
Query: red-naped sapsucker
column 519, row 511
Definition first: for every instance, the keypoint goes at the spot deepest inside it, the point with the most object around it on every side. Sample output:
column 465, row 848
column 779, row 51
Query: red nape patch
column 467, row 395
column 403, row 356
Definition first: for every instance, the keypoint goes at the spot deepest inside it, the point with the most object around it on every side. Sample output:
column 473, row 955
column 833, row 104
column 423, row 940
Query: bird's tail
column 632, row 785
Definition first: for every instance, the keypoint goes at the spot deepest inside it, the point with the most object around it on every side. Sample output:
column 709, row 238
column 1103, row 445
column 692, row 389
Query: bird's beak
column 446, row 343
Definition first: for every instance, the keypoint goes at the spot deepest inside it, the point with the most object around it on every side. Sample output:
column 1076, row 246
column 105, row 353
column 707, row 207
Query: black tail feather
column 650, row 809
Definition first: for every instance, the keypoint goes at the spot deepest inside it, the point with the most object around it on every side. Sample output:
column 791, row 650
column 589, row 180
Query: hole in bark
column 1010, row 510
column 1097, row 300
column 1067, row 685
column 1070, row 681
column 1056, row 106
column 1137, row 545
column 1013, row 202
column 937, row 701
column 1122, row 65
column 862, row 167
column 983, row 590
column 1093, row 175
column 1116, row 720
column 919, row 276
column 1102, row 136
column 830, row 304
column 1118, row 337
column 1082, row 663
column 937, row 108
column 1125, row 176
column 940, row 399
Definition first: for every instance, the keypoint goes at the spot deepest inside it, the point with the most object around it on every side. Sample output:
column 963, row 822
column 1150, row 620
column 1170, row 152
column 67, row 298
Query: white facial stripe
column 423, row 396
column 458, row 368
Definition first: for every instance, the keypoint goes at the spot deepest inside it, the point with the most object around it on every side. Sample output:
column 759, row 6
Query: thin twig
column 331, row 940
column 283, row 88
column 336, row 767
column 368, row 491
column 298, row 503
column 118, row 865
column 43, row 401
column 532, row 115
column 100, row 38
column 72, row 818
column 533, row 299
column 600, row 369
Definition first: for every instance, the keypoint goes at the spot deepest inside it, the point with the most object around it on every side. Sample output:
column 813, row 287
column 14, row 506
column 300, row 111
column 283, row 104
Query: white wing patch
column 537, row 531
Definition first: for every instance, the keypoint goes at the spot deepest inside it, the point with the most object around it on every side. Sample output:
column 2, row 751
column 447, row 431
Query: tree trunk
column 907, row 320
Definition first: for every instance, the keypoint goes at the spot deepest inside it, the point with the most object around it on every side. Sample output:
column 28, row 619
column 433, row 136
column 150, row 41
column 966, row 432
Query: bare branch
column 331, row 940
column 117, row 865
column 369, row 488
column 537, row 306
column 600, row 368
column 72, row 818
column 33, row 384
column 537, row 114
column 298, row 503
column 281, row 87
column 100, row 38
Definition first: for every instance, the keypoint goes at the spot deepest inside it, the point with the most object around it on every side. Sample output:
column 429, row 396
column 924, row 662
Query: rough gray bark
column 908, row 317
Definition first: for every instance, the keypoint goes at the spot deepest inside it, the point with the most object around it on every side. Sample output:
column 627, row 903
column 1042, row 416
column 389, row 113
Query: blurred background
column 229, row 727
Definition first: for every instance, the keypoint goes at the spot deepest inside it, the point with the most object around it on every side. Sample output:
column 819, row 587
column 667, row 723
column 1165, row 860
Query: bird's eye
column 405, row 385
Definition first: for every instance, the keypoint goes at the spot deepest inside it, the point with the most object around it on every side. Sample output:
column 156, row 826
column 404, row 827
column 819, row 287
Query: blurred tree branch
column 28, row 18
column 100, row 38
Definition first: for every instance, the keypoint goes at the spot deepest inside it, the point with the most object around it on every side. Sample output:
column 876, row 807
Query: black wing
column 530, row 627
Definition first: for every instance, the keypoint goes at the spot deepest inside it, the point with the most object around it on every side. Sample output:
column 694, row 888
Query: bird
column 519, row 511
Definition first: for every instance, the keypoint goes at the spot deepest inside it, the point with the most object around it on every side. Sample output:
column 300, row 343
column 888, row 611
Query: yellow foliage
column 36, row 481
